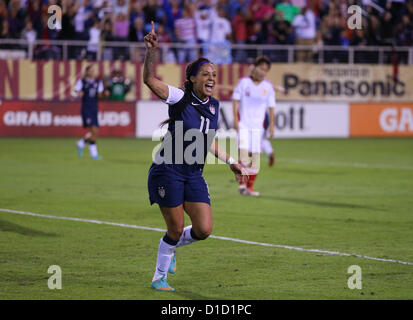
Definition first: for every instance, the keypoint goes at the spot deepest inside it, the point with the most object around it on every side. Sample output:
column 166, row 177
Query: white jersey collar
column 203, row 102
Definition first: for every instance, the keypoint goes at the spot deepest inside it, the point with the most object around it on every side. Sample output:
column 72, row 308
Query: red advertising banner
column 63, row 119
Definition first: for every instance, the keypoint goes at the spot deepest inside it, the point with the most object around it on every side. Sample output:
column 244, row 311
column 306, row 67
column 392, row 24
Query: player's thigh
column 255, row 140
column 243, row 139
column 94, row 129
column 200, row 214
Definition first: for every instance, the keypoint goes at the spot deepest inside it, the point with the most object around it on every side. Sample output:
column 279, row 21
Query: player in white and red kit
column 251, row 98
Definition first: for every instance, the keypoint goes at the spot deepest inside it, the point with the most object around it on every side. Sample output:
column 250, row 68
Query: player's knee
column 204, row 233
column 175, row 232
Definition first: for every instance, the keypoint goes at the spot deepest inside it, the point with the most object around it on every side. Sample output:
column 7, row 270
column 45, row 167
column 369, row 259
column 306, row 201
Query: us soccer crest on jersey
column 212, row 109
column 161, row 192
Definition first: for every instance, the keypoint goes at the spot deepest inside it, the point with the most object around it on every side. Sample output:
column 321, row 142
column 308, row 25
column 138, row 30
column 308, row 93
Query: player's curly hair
column 191, row 70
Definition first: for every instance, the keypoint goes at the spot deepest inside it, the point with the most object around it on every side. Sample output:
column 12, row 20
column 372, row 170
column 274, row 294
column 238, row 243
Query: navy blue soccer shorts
column 90, row 119
column 169, row 189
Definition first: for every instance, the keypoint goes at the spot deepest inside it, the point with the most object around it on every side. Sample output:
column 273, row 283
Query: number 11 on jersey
column 203, row 119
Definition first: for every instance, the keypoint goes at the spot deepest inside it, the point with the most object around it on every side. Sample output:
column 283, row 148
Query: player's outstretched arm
column 159, row 88
column 77, row 90
column 241, row 174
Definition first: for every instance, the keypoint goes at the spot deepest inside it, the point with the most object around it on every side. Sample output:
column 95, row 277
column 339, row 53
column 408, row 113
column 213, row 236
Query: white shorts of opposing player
column 250, row 139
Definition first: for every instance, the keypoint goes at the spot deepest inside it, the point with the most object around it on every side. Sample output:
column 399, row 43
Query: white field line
column 345, row 164
column 326, row 252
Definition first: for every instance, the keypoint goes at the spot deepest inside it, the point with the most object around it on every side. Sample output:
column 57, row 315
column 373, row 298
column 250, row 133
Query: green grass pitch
column 350, row 196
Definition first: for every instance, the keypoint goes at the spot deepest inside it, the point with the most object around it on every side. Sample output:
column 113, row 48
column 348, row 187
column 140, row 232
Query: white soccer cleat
column 252, row 192
column 242, row 189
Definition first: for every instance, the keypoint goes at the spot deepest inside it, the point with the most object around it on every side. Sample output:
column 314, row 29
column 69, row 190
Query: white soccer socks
column 188, row 236
column 93, row 149
column 166, row 251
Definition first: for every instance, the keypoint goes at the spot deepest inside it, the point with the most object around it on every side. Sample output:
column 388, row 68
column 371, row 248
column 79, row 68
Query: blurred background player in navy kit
column 89, row 88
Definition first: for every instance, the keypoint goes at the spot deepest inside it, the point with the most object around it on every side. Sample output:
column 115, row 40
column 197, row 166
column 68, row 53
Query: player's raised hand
column 151, row 39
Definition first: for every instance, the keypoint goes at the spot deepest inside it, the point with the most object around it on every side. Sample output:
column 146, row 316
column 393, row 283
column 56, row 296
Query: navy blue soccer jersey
column 91, row 89
column 185, row 147
column 176, row 174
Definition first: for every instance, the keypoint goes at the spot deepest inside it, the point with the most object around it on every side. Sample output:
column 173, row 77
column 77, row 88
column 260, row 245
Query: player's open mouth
column 209, row 87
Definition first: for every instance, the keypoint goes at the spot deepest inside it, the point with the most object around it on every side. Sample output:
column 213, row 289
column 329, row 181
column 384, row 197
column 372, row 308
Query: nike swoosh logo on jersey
column 195, row 104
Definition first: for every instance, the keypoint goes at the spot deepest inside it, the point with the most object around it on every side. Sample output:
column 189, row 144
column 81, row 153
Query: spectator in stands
column 387, row 30
column 107, row 31
column 104, row 10
column 121, row 27
column 283, row 32
column 35, row 14
column 28, row 32
column 94, row 40
column 390, row 25
column 260, row 11
column 136, row 10
column 374, row 33
column 153, row 12
column 173, row 12
column 203, row 22
column 136, row 34
column 16, row 19
column 167, row 55
column 396, row 8
column 120, row 6
column 47, row 50
column 233, row 7
column 257, row 36
column 279, row 32
column 106, row 36
column 360, row 40
column 3, row 10
column 91, row 13
column 84, row 13
column 68, row 13
column 331, row 31
column 117, row 87
column 305, row 33
column 239, row 28
column 289, row 10
column 221, row 27
column 409, row 9
column 185, row 30
column 136, row 31
column 404, row 32
column 4, row 31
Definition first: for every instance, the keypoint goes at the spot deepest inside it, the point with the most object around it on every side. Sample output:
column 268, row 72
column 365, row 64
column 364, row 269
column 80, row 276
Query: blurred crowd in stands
column 283, row 22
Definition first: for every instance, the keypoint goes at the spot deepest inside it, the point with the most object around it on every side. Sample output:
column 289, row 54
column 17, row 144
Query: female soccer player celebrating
column 178, row 186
